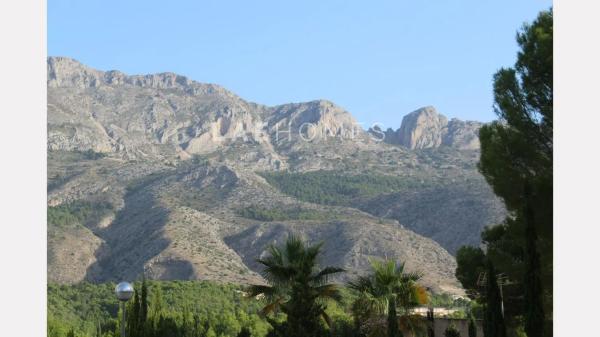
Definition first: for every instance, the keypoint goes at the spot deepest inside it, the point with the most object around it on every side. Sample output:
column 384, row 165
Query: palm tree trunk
column 393, row 330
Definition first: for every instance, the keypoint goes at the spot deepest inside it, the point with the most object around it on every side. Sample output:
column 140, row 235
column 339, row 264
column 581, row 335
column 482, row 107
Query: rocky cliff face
column 165, row 114
column 178, row 160
column 141, row 116
column 462, row 135
column 422, row 128
column 312, row 121
column 426, row 128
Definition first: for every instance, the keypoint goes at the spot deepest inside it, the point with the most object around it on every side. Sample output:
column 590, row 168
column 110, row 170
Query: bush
column 451, row 331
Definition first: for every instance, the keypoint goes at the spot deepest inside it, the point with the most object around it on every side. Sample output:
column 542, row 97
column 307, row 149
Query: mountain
column 426, row 128
column 174, row 179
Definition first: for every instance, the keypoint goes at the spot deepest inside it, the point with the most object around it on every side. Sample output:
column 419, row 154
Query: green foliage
column 144, row 302
column 517, row 161
column 472, row 327
column 185, row 309
column 392, row 319
column 493, row 320
column 76, row 155
column 245, row 332
column 336, row 188
column 92, row 155
column 380, row 292
column 518, row 148
column 81, row 307
column 175, row 308
column 297, row 288
column 445, row 300
column 470, row 264
column 199, row 160
column 451, row 331
column 476, row 309
column 275, row 214
column 76, row 213
column 534, row 307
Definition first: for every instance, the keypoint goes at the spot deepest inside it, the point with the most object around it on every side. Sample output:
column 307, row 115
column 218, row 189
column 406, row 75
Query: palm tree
column 297, row 287
column 381, row 293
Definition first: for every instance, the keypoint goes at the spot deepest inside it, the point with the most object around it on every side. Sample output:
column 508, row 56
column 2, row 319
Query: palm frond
column 326, row 318
column 329, row 291
column 275, row 272
column 361, row 284
column 323, row 275
column 273, row 306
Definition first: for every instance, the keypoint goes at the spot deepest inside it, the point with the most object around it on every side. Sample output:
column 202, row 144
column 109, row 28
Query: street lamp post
column 124, row 291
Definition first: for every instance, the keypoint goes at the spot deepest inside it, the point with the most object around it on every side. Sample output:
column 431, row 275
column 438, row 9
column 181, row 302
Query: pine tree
column 517, row 149
column 534, row 310
column 493, row 323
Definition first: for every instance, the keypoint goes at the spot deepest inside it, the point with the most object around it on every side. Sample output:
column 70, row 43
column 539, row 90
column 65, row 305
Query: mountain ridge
column 178, row 161
column 67, row 72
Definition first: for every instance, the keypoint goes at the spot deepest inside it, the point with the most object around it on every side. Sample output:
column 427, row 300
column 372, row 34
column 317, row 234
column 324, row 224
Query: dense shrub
column 77, row 212
column 276, row 214
column 335, row 188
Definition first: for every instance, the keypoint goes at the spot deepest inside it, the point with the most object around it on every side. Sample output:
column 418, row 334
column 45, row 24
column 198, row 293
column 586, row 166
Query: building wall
column 440, row 325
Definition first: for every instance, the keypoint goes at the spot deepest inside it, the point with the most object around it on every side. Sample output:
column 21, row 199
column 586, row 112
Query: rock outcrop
column 426, row 128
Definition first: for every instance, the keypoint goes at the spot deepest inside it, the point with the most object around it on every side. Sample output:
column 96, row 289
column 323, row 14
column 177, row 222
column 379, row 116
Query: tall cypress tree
column 493, row 324
column 245, row 332
column 98, row 329
column 143, row 326
column 534, row 310
column 392, row 320
column 430, row 323
column 472, row 327
column 133, row 315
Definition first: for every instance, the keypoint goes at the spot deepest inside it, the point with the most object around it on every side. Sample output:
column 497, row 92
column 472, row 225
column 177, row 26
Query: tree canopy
column 517, row 161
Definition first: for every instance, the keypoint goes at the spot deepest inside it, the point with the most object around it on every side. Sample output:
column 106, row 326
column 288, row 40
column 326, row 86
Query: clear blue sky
column 378, row 59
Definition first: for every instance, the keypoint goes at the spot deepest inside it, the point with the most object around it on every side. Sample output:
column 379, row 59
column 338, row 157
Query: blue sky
column 377, row 59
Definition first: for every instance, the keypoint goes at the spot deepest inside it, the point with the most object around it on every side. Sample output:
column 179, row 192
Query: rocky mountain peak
column 427, row 128
column 167, row 114
column 314, row 120
column 422, row 128
column 67, row 72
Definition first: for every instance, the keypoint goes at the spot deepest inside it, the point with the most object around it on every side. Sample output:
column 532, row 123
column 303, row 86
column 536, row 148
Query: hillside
column 189, row 181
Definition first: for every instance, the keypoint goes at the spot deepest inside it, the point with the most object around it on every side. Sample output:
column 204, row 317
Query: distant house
column 440, row 322
column 438, row 312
